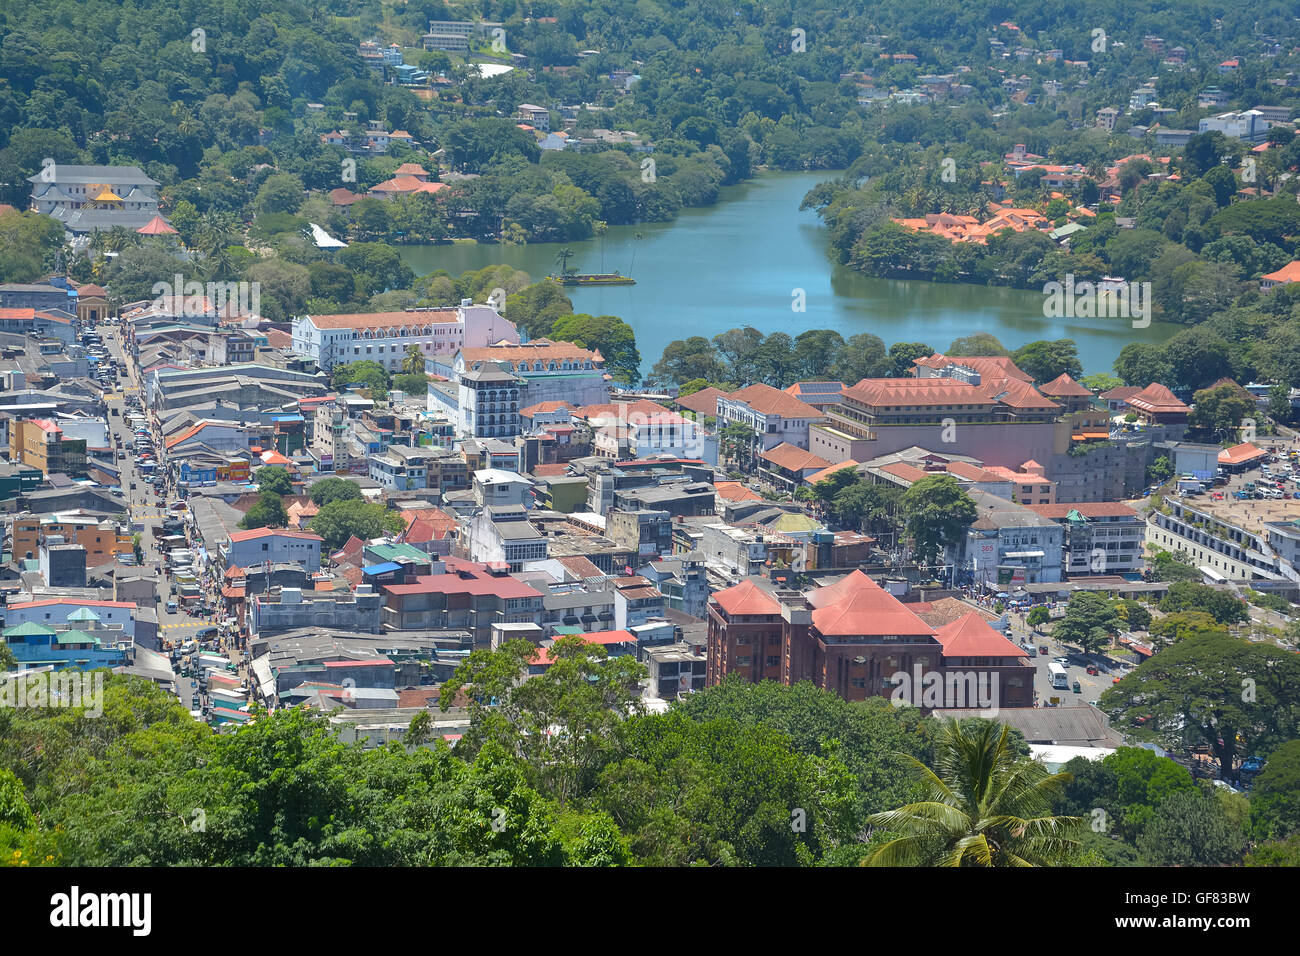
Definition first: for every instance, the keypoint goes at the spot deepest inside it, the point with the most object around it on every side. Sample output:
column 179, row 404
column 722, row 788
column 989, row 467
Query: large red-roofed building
column 855, row 638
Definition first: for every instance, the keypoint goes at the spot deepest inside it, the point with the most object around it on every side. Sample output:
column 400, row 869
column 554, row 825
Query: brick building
column 856, row 639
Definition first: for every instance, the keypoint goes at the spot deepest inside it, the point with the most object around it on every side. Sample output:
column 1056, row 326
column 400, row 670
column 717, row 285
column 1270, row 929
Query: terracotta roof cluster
column 969, row 229
column 406, row 185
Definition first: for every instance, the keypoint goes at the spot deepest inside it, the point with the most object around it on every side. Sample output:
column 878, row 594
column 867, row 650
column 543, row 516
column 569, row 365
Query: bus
column 1058, row 675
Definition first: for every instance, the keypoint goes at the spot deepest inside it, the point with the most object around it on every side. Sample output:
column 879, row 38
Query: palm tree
column 983, row 807
column 563, row 258
column 413, row 361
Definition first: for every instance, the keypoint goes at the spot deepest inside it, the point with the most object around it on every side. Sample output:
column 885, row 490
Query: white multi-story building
column 1249, row 125
column 495, row 381
column 775, row 416
column 1009, row 544
column 385, row 337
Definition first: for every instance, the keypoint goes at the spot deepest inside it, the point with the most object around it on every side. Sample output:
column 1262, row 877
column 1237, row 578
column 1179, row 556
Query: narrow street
column 149, row 505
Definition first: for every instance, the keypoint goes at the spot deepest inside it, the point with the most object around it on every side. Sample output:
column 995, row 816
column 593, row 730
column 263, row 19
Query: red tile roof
column 790, row 458
column 735, row 491
column 1121, row 393
column 1239, row 453
column 827, row 472
column 1156, row 398
column 997, row 366
column 267, row 532
column 747, row 598
column 544, row 657
column 1089, row 509
column 75, row 602
column 885, row 392
column 543, row 407
column 971, row 636
column 703, row 402
column 1288, row 273
column 1016, row 394
column 1066, row 387
column 856, row 605
column 475, row 581
column 383, row 320
column 767, row 400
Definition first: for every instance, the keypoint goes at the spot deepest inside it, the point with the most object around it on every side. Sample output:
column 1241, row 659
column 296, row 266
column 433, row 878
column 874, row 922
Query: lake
column 740, row 262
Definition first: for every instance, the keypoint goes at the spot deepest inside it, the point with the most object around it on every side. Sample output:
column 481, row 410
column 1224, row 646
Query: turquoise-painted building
column 36, row 645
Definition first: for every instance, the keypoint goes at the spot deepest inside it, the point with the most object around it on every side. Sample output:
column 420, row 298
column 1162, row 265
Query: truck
column 1059, row 677
column 1190, row 486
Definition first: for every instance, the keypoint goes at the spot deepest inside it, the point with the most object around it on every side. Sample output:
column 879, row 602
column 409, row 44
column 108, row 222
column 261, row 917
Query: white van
column 1058, row 675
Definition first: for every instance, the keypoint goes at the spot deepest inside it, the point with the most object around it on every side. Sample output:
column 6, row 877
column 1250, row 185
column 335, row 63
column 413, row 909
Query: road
column 148, row 509
column 1091, row 687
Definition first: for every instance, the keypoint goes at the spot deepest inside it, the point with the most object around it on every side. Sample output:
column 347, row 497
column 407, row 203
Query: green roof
column 28, row 629
column 1075, row 516
column 566, row 630
column 795, row 522
column 75, row 637
column 390, row 552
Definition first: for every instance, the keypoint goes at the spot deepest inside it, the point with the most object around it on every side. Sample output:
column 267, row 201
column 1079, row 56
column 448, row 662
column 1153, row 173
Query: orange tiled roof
column 916, row 391
column 986, row 366
column 1288, row 273
column 1239, row 453
column 971, row 636
column 791, row 458
column 857, row 605
column 383, row 320
column 537, row 350
column 735, row 491
column 703, row 402
column 827, row 472
column 1066, row 387
column 773, row 401
column 747, row 598
column 1156, row 398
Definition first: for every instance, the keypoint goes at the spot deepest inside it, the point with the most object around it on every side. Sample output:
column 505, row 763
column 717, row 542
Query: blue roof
column 286, row 418
column 381, row 568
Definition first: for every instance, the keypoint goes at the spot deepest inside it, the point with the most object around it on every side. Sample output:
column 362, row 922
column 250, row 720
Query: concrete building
column 386, row 337
column 1100, row 537
column 287, row 608
column 1008, row 545
column 244, row 549
column 461, row 595
column 1248, row 125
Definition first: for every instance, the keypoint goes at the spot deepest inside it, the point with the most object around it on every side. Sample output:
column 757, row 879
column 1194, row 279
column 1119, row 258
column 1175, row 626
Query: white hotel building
column 384, row 337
